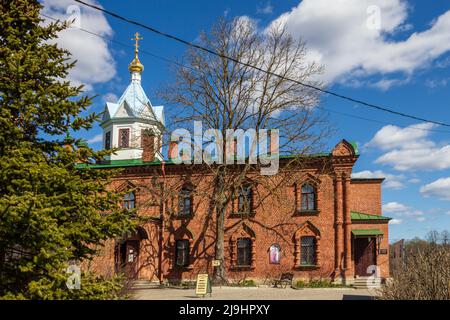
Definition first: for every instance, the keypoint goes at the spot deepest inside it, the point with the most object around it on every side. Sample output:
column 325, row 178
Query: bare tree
column 224, row 94
column 445, row 236
column 433, row 237
column 425, row 275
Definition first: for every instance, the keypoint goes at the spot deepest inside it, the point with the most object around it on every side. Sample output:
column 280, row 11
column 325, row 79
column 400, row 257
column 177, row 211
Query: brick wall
column 276, row 220
column 366, row 196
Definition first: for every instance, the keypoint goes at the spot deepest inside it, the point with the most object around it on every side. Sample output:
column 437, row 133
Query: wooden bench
column 284, row 281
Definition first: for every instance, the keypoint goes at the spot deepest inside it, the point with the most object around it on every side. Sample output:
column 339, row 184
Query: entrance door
column 126, row 253
column 129, row 258
column 364, row 255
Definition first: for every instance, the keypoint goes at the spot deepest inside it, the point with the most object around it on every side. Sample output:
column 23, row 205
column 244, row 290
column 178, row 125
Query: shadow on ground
column 357, row 297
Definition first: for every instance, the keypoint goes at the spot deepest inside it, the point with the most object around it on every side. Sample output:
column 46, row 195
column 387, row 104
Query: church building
column 321, row 224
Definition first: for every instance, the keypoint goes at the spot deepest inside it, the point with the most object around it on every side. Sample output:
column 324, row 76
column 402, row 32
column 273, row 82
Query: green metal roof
column 365, row 216
column 367, row 232
column 122, row 163
column 355, row 147
column 139, row 162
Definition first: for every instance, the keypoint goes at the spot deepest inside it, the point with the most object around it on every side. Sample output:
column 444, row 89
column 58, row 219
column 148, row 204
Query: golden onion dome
column 136, row 65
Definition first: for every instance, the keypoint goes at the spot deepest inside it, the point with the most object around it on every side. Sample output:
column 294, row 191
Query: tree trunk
column 220, row 275
column 220, row 271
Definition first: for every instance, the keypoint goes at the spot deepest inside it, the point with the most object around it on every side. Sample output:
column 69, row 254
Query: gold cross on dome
column 136, row 39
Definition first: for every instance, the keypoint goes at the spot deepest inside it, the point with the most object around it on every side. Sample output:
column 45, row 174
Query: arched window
column 182, row 253
column 244, row 251
column 129, row 201
column 245, row 198
column 185, row 202
column 308, row 197
column 180, row 246
column 308, row 251
column 242, row 247
column 307, row 246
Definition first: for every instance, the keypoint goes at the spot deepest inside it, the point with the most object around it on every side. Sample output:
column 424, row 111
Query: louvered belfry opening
column 148, row 145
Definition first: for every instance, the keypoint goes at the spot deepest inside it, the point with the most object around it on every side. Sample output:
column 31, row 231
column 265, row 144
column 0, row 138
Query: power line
column 118, row 43
column 379, row 121
column 188, row 43
column 190, row 68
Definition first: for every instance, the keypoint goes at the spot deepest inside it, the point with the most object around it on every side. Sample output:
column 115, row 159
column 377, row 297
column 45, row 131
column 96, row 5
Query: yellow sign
column 216, row 263
column 203, row 286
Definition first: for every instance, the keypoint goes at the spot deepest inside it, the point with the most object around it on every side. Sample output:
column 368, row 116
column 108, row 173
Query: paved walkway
column 233, row 293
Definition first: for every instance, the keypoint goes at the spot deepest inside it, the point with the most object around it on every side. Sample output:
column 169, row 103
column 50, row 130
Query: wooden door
column 365, row 255
column 131, row 269
column 129, row 258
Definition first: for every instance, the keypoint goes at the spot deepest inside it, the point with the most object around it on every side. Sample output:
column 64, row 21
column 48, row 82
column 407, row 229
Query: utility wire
column 118, row 43
column 190, row 68
column 379, row 121
column 188, row 43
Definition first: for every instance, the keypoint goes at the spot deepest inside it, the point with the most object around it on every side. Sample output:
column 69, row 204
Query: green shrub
column 92, row 288
column 248, row 283
column 187, row 284
column 317, row 283
column 244, row 283
column 300, row 284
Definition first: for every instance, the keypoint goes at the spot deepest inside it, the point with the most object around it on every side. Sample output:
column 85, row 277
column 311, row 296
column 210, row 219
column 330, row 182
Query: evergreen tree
column 52, row 212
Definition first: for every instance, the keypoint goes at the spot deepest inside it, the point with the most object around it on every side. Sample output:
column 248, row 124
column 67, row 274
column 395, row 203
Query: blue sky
column 394, row 53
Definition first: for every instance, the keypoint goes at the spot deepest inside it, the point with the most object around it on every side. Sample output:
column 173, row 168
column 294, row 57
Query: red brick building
column 321, row 224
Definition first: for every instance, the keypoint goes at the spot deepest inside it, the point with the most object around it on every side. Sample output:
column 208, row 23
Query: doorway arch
column 127, row 251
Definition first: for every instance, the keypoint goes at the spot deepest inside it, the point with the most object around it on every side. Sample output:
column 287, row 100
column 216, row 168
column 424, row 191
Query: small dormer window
column 245, row 196
column 124, row 138
column 129, row 201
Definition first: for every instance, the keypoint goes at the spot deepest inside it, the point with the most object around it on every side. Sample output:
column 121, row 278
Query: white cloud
column 353, row 38
column 95, row 63
column 393, row 184
column 401, row 210
column 437, row 83
column 414, row 180
column 395, row 221
column 444, row 63
column 95, row 139
column 416, row 213
column 419, row 159
column 386, row 84
column 439, row 188
column 410, row 148
column 110, row 97
column 391, row 181
column 395, row 207
column 267, row 9
column 412, row 137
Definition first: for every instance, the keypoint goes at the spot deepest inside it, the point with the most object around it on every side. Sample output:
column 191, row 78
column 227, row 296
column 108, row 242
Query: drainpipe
column 161, row 226
column 338, row 225
column 347, row 224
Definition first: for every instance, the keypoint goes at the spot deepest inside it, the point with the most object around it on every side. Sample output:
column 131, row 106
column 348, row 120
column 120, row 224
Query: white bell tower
column 133, row 124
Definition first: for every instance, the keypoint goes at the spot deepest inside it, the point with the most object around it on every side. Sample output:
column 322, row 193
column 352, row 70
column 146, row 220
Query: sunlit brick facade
column 339, row 236
column 317, row 223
